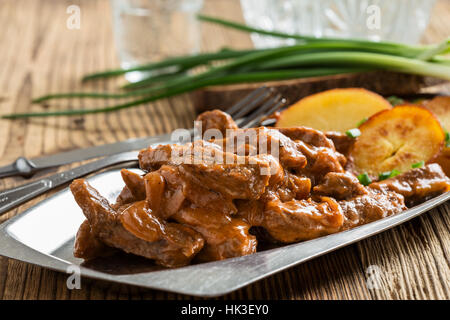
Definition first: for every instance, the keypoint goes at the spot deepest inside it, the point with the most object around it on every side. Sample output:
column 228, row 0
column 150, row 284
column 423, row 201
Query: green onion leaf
column 395, row 100
column 309, row 57
column 394, row 173
column 380, row 46
column 388, row 174
column 447, row 139
column 353, row 133
column 362, row 121
column 384, row 175
column 419, row 164
column 364, row 179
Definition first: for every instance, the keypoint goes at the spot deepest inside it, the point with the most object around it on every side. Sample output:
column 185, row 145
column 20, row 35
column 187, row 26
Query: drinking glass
column 151, row 30
column 393, row 20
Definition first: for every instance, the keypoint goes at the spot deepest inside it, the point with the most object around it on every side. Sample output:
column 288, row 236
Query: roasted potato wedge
column 333, row 110
column 440, row 106
column 397, row 139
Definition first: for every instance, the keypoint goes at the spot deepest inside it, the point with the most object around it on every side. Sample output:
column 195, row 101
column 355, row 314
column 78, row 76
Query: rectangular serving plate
column 44, row 235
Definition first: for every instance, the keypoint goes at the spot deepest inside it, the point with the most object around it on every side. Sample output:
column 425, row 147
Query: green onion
column 183, row 61
column 229, row 79
column 362, row 121
column 388, row 174
column 310, row 57
column 151, row 80
column 394, row 173
column 257, row 76
column 442, row 47
column 364, row 179
column 384, row 175
column 353, row 133
column 395, row 100
column 419, row 164
column 447, row 139
column 360, row 59
column 383, row 46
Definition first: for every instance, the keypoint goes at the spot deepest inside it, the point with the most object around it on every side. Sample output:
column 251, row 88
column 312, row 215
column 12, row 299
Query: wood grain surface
column 40, row 55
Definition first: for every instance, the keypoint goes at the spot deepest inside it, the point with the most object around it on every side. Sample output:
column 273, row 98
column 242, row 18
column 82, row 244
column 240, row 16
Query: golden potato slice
column 333, row 110
column 440, row 106
column 397, row 139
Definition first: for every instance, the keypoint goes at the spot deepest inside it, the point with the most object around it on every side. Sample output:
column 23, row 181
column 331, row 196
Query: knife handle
column 21, row 167
column 14, row 197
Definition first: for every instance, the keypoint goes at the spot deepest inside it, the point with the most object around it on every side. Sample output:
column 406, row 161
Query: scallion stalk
column 182, row 61
column 376, row 60
column 310, row 57
column 260, row 76
column 390, row 47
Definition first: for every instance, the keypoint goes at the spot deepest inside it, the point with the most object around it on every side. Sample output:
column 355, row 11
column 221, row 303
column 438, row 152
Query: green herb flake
column 419, row 164
column 447, row 139
column 395, row 100
column 361, row 122
column 394, row 173
column 384, row 175
column 364, row 179
column 388, row 174
column 353, row 133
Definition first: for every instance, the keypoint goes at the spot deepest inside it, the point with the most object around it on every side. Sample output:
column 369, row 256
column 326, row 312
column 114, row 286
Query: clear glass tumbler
column 150, row 30
column 392, row 20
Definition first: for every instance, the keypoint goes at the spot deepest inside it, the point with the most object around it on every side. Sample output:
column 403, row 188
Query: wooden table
column 40, row 55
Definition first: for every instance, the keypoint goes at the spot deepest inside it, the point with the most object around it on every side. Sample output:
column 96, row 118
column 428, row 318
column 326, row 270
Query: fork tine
column 268, row 108
column 246, row 100
column 252, row 105
column 261, row 110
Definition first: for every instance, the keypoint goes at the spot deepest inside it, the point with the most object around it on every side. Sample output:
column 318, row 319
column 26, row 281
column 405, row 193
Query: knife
column 27, row 167
column 14, row 197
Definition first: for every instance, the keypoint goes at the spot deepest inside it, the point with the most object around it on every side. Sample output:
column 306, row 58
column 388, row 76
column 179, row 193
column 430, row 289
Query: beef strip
column 321, row 161
column 319, row 151
column 258, row 141
column 225, row 236
column 87, row 246
column 369, row 207
column 294, row 220
column 235, row 177
column 308, row 135
column 341, row 141
column 134, row 189
column 417, row 185
column 173, row 245
column 197, row 194
column 340, row 185
column 275, row 143
column 297, row 220
column 216, row 119
column 289, row 188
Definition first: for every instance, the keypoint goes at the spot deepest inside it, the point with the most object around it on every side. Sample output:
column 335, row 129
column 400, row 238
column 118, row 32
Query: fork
column 266, row 99
column 27, row 167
